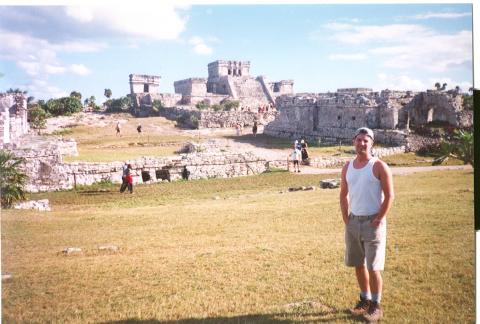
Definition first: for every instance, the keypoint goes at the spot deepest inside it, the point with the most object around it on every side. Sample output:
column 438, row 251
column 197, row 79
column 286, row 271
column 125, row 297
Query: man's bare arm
column 386, row 183
column 344, row 194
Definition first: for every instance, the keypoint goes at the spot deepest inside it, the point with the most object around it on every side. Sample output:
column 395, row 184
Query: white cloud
column 31, row 68
column 53, row 69
column 81, row 14
column 436, row 53
column 157, row 21
column 40, row 88
column 407, row 46
column 348, row 57
column 80, row 46
column 406, row 82
column 37, row 56
column 199, row 46
column 355, row 34
column 80, row 69
column 442, row 15
column 399, row 82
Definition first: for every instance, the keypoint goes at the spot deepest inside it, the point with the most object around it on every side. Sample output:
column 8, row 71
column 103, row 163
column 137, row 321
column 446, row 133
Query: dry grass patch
column 254, row 255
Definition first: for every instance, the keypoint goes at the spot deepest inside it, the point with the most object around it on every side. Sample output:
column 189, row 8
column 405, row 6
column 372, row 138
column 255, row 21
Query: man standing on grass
column 366, row 195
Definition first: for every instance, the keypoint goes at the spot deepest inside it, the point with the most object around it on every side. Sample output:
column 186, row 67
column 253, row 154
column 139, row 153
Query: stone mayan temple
column 227, row 80
column 231, row 79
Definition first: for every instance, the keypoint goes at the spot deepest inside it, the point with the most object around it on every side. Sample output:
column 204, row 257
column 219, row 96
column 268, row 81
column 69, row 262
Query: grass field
column 235, row 251
column 100, row 144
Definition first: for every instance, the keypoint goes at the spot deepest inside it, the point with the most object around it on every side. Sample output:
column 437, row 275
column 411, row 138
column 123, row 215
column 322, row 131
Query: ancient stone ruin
column 13, row 117
column 334, row 117
column 227, row 80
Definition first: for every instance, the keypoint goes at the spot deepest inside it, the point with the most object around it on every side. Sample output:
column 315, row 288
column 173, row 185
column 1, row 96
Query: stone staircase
column 250, row 92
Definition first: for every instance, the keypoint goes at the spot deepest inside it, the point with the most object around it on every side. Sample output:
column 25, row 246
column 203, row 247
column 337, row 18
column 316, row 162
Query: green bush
column 194, row 121
column 217, row 107
column 63, row 106
column 37, row 117
column 202, row 105
column 231, row 104
column 121, row 104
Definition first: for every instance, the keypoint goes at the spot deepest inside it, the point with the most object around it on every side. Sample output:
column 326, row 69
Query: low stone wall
column 216, row 119
column 47, row 173
column 386, row 151
column 417, row 143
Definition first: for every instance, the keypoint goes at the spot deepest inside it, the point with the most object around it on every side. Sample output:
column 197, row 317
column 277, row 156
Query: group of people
column 300, row 153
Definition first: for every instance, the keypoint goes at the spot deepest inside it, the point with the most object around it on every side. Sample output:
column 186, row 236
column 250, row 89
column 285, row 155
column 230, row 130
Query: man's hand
column 376, row 221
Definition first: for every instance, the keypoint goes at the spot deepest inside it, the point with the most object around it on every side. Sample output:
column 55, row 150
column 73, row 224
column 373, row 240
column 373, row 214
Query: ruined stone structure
column 210, row 119
column 333, row 117
column 13, row 117
column 144, row 89
column 434, row 105
column 231, row 80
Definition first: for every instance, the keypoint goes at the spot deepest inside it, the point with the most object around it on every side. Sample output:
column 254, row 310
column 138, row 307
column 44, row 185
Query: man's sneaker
column 374, row 313
column 361, row 307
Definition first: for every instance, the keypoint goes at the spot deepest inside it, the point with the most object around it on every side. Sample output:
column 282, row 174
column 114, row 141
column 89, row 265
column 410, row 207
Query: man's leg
column 123, row 186
column 376, row 285
column 363, row 278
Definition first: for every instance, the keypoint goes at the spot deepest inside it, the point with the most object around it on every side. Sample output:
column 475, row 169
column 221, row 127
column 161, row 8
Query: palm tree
column 461, row 148
column 12, row 179
column 107, row 93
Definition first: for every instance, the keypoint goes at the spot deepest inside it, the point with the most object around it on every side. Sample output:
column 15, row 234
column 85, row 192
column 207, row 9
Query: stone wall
column 142, row 102
column 192, row 86
column 434, row 105
column 46, row 172
column 13, row 117
column 334, row 117
column 210, row 98
column 211, row 119
column 216, row 119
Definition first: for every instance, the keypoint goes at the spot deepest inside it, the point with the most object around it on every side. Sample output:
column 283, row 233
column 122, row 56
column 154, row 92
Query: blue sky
column 52, row 50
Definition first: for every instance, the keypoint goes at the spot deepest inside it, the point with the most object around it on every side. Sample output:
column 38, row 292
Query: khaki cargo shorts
column 364, row 243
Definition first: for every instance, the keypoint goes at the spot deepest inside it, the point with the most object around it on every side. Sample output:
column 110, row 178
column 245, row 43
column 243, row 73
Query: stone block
column 329, row 183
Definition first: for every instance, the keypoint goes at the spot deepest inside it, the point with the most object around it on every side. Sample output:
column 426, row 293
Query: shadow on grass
column 263, row 141
column 309, row 317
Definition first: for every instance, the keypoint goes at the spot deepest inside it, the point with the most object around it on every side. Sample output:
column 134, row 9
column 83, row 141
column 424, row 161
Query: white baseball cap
column 364, row 130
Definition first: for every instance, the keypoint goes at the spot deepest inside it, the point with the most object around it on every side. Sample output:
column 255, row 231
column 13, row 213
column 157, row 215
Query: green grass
column 187, row 257
column 415, row 159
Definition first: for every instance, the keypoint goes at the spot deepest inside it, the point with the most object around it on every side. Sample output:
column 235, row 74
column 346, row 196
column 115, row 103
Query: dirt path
column 395, row 170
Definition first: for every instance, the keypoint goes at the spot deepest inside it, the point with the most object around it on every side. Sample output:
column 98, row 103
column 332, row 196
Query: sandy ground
column 395, row 170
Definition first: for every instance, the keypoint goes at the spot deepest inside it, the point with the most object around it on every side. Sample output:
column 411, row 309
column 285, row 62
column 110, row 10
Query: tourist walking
column 118, row 129
column 366, row 196
column 139, row 129
column 127, row 179
column 304, row 150
column 254, row 129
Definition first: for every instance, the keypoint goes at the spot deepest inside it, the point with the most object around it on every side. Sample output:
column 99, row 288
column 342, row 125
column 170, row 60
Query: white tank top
column 364, row 191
